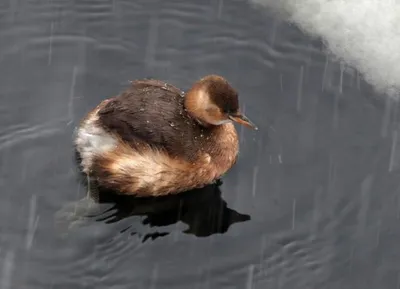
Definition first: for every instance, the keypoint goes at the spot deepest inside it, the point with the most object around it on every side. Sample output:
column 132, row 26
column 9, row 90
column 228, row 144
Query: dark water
column 318, row 181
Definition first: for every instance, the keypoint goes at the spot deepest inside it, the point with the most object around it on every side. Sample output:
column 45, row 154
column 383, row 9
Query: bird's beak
column 242, row 119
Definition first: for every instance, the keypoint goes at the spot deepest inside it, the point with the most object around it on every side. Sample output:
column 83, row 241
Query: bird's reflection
column 203, row 210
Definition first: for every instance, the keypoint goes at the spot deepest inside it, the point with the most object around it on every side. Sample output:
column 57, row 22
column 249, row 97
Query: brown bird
column 153, row 139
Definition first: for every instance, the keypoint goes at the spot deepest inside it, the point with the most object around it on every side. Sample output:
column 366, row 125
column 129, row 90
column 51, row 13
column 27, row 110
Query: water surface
column 312, row 202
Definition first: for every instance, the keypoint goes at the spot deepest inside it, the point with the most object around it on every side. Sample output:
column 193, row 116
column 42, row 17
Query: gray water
column 311, row 203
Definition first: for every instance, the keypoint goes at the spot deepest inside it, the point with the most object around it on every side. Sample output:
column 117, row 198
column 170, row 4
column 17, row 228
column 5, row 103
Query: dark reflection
column 203, row 210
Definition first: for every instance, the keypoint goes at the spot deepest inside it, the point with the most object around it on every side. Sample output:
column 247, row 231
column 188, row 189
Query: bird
column 153, row 139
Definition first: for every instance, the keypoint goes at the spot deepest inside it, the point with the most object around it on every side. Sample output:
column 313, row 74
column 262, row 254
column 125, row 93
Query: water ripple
column 22, row 134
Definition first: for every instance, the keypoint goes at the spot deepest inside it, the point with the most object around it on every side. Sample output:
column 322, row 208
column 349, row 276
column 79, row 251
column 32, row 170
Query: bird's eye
column 227, row 110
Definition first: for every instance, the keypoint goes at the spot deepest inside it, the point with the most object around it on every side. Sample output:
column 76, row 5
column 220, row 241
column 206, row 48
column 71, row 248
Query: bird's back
column 152, row 112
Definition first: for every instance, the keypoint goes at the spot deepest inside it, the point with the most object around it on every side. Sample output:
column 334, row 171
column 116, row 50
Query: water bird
column 154, row 139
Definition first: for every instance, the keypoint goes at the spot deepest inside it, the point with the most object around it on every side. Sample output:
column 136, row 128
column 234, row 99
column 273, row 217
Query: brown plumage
column 152, row 139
